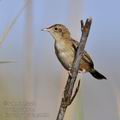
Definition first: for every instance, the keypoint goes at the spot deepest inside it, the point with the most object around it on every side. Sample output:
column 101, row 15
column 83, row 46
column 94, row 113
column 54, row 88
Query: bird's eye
column 56, row 28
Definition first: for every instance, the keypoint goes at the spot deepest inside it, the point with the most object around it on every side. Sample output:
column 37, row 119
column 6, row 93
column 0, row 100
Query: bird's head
column 58, row 31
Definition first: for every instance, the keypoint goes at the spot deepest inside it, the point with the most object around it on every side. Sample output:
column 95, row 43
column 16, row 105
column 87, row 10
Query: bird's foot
column 69, row 72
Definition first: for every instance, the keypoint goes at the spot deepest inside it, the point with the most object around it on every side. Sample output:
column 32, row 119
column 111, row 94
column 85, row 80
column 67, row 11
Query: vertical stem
column 28, row 53
column 67, row 98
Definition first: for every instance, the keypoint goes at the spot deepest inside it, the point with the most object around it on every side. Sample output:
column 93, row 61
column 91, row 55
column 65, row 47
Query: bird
column 66, row 48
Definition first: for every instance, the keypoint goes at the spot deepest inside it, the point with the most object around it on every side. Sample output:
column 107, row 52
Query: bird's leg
column 69, row 71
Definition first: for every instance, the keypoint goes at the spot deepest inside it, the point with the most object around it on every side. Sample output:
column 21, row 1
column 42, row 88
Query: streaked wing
column 86, row 56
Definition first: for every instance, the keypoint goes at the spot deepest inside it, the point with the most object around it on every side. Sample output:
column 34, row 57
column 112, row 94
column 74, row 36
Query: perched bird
column 65, row 49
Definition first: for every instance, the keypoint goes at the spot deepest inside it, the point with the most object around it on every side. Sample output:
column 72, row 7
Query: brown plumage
column 65, row 49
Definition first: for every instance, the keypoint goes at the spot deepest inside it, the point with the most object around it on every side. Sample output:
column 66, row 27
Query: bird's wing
column 86, row 56
column 75, row 44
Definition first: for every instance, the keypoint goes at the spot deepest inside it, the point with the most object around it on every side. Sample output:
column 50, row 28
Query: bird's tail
column 97, row 75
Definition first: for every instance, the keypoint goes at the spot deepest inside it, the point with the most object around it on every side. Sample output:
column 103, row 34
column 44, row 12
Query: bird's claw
column 69, row 72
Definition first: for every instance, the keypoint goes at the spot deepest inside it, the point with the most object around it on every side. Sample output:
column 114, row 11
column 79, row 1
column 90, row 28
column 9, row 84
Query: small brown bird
column 65, row 49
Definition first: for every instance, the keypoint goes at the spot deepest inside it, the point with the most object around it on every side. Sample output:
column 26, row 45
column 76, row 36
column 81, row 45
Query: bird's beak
column 45, row 29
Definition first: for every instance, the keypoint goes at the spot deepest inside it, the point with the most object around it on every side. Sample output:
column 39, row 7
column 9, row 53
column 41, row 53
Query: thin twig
column 82, row 25
column 75, row 93
column 67, row 98
column 8, row 29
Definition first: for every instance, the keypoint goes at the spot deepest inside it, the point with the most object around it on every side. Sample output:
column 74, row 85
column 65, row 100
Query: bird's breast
column 65, row 54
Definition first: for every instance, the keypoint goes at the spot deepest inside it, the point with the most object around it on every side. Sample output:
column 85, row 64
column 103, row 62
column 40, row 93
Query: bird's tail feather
column 97, row 75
